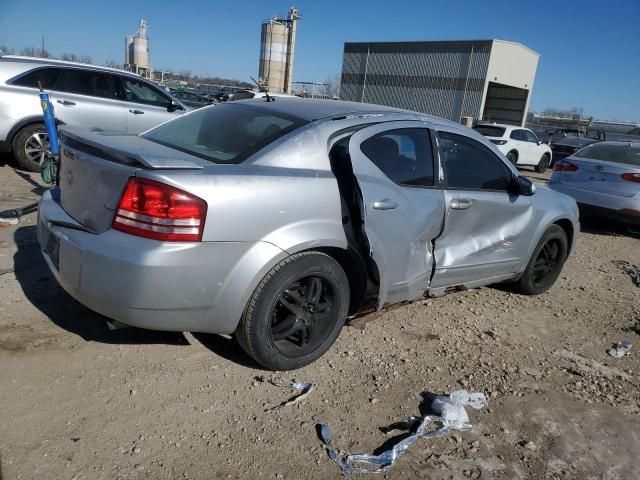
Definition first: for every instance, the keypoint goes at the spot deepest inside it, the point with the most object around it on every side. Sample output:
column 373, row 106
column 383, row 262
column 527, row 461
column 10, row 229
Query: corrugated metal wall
column 439, row 78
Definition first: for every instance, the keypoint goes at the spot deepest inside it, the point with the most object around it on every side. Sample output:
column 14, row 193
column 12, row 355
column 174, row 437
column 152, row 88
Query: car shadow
column 607, row 227
column 37, row 188
column 44, row 292
column 228, row 349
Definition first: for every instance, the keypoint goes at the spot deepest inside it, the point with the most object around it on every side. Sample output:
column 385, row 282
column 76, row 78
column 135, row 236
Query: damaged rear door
column 487, row 228
column 403, row 209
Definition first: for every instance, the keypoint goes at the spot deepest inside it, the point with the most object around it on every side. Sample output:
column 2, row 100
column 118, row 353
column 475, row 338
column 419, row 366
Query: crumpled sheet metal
column 302, row 391
column 452, row 416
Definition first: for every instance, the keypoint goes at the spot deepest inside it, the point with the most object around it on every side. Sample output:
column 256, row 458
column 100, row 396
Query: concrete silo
column 136, row 53
column 277, row 49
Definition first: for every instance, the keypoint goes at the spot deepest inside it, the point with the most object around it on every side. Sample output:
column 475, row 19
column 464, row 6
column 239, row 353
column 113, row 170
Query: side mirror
column 173, row 106
column 524, row 186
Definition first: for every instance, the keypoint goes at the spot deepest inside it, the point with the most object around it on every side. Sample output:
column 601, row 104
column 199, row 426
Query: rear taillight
column 154, row 210
column 499, row 142
column 631, row 177
column 562, row 166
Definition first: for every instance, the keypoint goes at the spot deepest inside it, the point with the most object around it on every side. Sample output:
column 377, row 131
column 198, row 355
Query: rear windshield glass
column 621, row 153
column 227, row 133
column 489, row 131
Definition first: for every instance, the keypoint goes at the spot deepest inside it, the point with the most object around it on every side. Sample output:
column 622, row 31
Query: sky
column 589, row 49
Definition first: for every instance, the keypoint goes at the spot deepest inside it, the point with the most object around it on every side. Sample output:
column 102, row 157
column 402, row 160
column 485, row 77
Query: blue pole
column 50, row 123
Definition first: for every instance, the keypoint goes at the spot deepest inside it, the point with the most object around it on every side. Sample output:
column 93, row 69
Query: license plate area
column 52, row 249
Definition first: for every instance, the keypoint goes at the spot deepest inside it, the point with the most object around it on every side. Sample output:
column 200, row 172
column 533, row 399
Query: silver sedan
column 278, row 219
column 604, row 178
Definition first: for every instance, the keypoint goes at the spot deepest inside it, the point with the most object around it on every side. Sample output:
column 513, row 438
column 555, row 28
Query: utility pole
column 42, row 51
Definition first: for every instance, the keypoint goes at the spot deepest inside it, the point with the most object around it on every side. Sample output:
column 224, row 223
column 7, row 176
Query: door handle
column 461, row 203
column 66, row 103
column 385, row 204
column 136, row 112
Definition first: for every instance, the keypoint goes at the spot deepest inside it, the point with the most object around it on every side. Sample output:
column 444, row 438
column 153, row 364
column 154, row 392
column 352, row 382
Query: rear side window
column 141, row 92
column 617, row 153
column 403, row 155
column 489, row 131
column 469, row 165
column 87, row 82
column 48, row 77
column 518, row 135
column 227, row 133
column 530, row 136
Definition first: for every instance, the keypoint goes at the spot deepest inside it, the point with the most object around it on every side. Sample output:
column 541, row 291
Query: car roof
column 51, row 61
column 311, row 109
column 501, row 125
column 620, row 143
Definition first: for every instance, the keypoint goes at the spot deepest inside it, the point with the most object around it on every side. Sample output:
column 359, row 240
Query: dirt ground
column 79, row 401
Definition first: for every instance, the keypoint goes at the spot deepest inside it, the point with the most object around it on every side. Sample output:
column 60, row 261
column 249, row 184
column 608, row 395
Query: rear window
column 620, row 153
column 489, row 131
column 228, row 133
column 48, row 77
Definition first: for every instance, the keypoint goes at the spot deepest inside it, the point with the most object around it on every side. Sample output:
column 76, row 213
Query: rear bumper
column 199, row 287
column 602, row 204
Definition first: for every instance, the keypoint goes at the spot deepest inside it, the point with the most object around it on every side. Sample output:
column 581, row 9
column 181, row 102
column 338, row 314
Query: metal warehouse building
column 483, row 79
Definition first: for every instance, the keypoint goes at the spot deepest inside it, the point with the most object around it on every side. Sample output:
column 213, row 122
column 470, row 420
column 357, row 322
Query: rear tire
column 543, row 164
column 546, row 262
column 30, row 146
column 296, row 312
column 512, row 157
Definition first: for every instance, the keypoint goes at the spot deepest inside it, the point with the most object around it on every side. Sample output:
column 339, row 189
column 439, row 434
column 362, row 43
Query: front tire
column 296, row 312
column 543, row 164
column 31, row 146
column 546, row 262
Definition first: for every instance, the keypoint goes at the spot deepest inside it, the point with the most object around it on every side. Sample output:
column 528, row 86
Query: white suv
column 82, row 95
column 520, row 145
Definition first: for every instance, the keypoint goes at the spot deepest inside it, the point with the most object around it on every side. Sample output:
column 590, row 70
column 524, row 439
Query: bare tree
column 7, row 50
column 332, row 85
column 112, row 64
column 84, row 59
column 28, row 52
column 70, row 57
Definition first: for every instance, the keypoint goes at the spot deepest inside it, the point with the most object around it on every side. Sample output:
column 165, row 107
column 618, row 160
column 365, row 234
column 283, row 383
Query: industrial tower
column 136, row 52
column 277, row 49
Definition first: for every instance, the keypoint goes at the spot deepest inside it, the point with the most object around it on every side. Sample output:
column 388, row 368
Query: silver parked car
column 277, row 220
column 604, row 178
column 101, row 98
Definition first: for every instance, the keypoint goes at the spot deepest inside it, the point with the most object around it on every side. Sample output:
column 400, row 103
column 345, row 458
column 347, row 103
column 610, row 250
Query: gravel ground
column 79, row 401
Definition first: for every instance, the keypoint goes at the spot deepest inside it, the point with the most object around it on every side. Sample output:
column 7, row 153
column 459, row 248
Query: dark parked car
column 191, row 99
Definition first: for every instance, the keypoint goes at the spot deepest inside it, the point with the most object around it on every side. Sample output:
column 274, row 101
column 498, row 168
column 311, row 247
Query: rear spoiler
column 122, row 148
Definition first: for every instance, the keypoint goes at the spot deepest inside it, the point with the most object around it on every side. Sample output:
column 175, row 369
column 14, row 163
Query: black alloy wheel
column 303, row 315
column 296, row 312
column 546, row 262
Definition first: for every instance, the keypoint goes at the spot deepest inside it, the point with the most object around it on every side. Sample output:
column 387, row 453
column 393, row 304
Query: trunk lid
column 600, row 176
column 95, row 167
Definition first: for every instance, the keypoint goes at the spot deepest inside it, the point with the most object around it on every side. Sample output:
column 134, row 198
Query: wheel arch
column 24, row 123
column 567, row 226
column 515, row 152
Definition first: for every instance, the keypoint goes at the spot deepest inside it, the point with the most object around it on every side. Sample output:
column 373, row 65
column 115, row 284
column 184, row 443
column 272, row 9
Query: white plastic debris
column 451, row 408
column 620, row 349
column 303, row 390
column 452, row 416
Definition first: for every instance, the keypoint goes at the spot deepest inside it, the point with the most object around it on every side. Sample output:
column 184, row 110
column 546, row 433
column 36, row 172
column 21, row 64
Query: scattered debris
column 632, row 270
column 620, row 349
column 591, row 366
column 452, row 416
column 529, row 445
column 302, row 389
column 8, row 221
